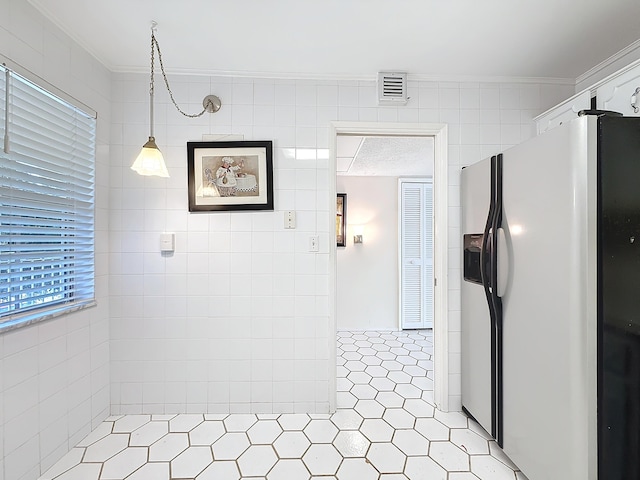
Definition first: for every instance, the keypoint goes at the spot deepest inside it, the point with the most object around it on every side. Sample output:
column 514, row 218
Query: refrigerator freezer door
column 619, row 227
column 475, row 320
column 549, row 370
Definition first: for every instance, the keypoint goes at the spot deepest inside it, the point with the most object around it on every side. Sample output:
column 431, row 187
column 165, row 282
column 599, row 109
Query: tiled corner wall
column 236, row 320
column 54, row 376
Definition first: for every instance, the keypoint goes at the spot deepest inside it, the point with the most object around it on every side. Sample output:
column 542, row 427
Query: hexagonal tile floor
column 385, row 427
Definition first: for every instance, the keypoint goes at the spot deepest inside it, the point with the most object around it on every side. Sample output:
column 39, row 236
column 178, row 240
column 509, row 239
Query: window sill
column 31, row 318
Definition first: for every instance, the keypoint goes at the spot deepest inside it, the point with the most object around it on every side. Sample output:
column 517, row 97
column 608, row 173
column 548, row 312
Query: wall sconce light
column 357, row 233
column 150, row 160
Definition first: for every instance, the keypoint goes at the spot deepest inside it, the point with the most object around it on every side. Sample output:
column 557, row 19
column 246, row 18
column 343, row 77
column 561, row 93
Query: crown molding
column 635, row 46
column 350, row 77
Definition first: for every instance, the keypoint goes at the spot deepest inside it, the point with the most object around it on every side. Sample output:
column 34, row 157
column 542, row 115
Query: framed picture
column 341, row 219
column 230, row 175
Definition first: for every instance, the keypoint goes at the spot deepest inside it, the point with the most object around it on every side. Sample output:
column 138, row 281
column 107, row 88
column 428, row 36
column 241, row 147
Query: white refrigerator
column 551, row 300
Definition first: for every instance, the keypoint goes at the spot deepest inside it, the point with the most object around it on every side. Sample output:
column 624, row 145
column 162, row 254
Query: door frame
column 440, row 245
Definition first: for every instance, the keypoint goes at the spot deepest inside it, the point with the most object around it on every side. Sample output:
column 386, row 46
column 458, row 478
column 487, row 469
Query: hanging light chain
column 154, row 44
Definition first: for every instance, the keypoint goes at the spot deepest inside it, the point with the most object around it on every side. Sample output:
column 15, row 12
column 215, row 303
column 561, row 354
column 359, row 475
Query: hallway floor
column 385, row 428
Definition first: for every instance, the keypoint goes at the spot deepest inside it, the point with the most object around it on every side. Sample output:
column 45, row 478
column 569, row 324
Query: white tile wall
column 236, row 319
column 54, row 376
column 239, row 277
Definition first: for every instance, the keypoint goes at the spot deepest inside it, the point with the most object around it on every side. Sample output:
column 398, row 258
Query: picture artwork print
column 230, row 175
column 341, row 219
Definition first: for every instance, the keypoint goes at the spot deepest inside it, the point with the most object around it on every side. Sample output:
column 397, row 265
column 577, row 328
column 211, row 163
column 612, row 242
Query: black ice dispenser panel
column 471, row 257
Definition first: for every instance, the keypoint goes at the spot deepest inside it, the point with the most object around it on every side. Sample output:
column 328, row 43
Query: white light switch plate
column 289, row 219
column 167, row 242
column 314, row 243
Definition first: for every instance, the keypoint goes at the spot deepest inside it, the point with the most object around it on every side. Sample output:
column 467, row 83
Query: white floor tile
column 411, row 442
column 449, row 456
column 129, row 423
column 389, row 399
column 104, row 449
column 185, row 423
column 161, row 417
column 289, row 470
column 124, row 463
column 486, row 467
column 399, row 418
column 363, row 392
column 351, row 443
column 206, row 433
column 399, row 376
column 432, row 429
column 346, row 400
column 151, row 471
column 322, row 459
column 321, row 431
column 191, row 462
column 149, row 433
column 239, row 422
column 418, row 407
column 347, row 419
column 355, row 366
column 168, row 447
column 215, row 416
column 377, row 430
column 84, row 471
column 257, row 460
column 469, row 441
column 383, row 384
column 424, row 468
column 357, row 468
column 462, row 476
column 230, row 446
column 293, row 421
column 369, row 409
column 264, row 432
column 408, row 391
column 452, row 419
column 386, row 428
column 386, row 457
column 291, row 444
column 218, row 471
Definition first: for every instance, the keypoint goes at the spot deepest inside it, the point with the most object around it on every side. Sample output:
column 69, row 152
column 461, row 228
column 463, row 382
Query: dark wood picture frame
column 341, row 220
column 223, row 176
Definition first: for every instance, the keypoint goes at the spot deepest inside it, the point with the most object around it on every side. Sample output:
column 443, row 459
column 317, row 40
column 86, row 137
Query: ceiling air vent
column 392, row 88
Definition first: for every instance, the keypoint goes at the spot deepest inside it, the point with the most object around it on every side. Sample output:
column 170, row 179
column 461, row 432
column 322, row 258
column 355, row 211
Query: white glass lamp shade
column 150, row 161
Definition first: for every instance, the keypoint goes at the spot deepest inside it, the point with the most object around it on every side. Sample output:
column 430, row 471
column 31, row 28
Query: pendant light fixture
column 150, row 160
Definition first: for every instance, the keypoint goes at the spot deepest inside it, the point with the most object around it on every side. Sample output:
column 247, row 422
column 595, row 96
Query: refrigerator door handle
column 487, row 272
column 503, row 263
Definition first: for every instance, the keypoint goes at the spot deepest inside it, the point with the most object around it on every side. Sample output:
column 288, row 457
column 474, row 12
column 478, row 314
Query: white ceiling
column 384, row 156
column 354, row 38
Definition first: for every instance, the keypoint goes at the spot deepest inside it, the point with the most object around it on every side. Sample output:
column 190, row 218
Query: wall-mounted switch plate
column 289, row 219
column 167, row 242
column 314, row 243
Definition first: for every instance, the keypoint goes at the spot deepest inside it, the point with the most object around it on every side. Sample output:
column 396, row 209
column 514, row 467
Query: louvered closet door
column 416, row 240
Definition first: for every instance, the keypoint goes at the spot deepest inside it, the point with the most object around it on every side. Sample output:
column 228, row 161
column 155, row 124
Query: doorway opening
column 436, row 133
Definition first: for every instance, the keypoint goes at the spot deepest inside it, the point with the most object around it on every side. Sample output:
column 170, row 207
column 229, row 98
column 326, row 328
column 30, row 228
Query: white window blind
column 46, row 202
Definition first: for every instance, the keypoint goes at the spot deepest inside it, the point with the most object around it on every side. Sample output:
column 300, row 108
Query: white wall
column 237, row 319
column 367, row 273
column 54, row 375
